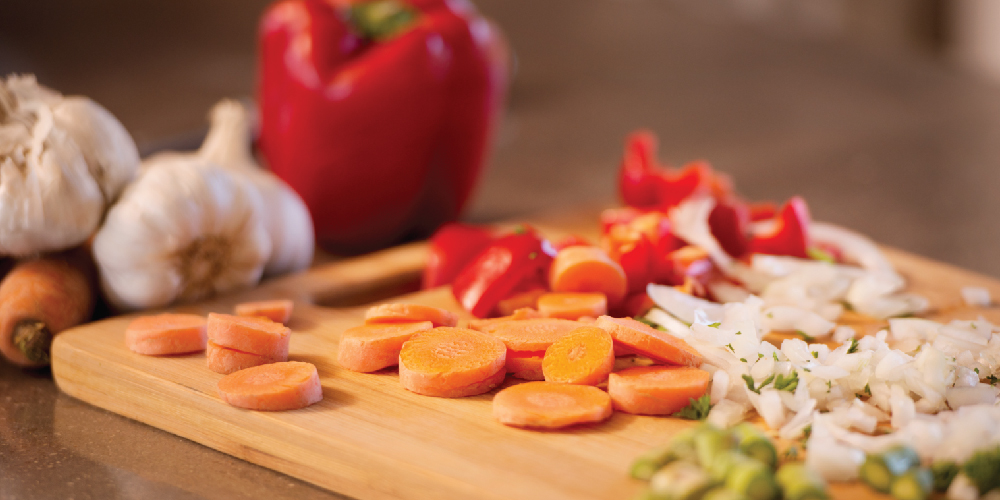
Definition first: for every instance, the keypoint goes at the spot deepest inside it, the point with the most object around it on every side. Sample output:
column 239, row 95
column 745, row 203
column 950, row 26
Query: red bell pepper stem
column 790, row 235
column 498, row 270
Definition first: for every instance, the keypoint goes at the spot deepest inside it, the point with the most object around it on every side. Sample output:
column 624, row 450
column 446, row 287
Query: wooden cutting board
column 371, row 439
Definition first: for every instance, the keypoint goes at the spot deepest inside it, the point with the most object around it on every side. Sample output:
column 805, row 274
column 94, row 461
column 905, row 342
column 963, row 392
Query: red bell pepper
column 378, row 113
column 451, row 248
column 790, row 233
column 499, row 270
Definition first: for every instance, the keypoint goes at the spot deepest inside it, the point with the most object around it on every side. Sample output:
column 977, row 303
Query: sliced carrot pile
column 585, row 357
column 165, row 334
column 452, row 362
column 530, row 334
column 573, row 305
column 587, row 269
column 369, row 348
column 259, row 336
column 525, row 365
column 393, row 313
column 550, row 405
column 277, row 386
column 521, row 300
column 656, row 390
column 641, row 339
column 279, row 310
column 224, row 360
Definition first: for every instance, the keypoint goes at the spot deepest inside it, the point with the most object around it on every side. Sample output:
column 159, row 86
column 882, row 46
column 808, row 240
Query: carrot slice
column 393, row 313
column 573, row 305
column 550, row 405
column 279, row 310
column 522, row 313
column 276, row 386
column 640, row 338
column 656, row 390
column 587, row 269
column 528, row 299
column 452, row 362
column 369, row 348
column 585, row 357
column 225, row 361
column 259, row 336
column 165, row 334
column 525, row 365
column 530, row 334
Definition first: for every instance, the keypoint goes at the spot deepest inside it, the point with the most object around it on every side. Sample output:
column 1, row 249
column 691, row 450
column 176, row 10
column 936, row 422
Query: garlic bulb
column 61, row 161
column 184, row 230
column 285, row 214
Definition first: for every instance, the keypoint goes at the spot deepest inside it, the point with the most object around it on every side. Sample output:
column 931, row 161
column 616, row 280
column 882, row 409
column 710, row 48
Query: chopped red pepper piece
column 637, row 179
column 730, row 225
column 499, row 269
column 451, row 248
column 644, row 184
column 790, row 234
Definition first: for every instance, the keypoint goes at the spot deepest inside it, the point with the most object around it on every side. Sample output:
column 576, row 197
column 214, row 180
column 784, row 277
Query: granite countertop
column 894, row 143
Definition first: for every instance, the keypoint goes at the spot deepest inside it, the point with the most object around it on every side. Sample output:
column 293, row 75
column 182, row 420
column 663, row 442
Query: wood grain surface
column 371, row 439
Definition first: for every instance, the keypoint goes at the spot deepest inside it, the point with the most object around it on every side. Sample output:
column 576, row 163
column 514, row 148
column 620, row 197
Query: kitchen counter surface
column 894, row 143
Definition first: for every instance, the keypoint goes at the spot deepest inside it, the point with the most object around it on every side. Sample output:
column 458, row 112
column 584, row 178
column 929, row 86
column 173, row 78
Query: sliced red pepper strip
column 790, row 235
column 499, row 269
column 451, row 248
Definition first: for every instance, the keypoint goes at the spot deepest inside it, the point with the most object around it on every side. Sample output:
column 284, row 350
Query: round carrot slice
column 277, row 386
column 525, row 365
column 640, row 338
column 369, row 348
column 550, row 405
column 585, row 356
column 587, row 269
column 391, row 313
column 225, row 361
column 452, row 362
column 656, row 390
column 259, row 336
column 279, row 310
column 165, row 334
column 573, row 305
column 530, row 334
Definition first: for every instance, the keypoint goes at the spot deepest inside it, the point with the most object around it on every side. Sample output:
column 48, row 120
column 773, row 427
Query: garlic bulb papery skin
column 184, row 230
column 108, row 149
column 61, row 161
column 285, row 214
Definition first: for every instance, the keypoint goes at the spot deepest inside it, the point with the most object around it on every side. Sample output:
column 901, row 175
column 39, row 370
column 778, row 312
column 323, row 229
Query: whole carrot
column 40, row 298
